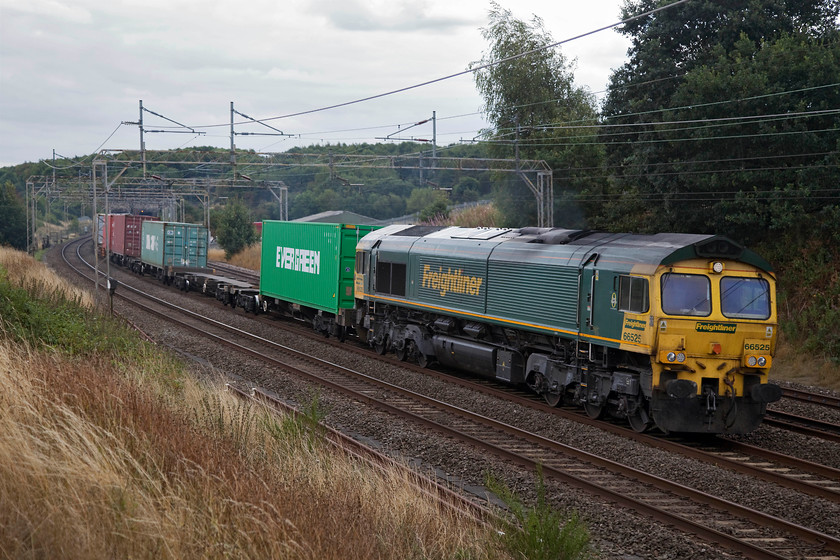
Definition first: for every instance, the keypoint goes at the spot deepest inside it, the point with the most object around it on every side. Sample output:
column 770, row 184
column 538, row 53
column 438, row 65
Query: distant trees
column 12, row 217
column 725, row 118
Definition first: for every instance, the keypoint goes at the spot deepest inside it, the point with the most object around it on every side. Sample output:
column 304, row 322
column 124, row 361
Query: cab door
column 600, row 318
column 589, row 277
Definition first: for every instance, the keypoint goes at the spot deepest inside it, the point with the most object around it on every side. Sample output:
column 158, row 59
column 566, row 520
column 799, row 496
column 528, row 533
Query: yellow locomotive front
column 716, row 330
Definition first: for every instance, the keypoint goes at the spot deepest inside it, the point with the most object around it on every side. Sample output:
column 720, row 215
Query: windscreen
column 686, row 294
column 745, row 298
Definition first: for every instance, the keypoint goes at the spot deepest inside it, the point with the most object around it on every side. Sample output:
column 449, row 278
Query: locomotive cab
column 716, row 335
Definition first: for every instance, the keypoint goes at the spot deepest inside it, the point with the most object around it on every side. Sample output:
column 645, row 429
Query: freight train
column 675, row 331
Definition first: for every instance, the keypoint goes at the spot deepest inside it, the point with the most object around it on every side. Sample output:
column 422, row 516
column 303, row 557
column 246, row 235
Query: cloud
column 385, row 15
column 69, row 12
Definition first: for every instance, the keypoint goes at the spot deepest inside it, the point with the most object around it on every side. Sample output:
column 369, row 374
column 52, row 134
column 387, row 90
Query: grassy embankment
column 108, row 449
column 808, row 275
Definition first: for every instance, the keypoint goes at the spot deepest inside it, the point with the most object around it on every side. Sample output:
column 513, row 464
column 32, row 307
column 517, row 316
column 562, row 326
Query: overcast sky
column 71, row 71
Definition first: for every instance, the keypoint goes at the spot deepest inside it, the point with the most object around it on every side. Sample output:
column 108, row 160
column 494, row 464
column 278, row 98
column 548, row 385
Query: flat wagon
column 169, row 248
column 307, row 271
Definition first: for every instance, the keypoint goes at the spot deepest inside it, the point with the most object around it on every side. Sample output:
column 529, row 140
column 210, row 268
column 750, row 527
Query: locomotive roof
column 577, row 246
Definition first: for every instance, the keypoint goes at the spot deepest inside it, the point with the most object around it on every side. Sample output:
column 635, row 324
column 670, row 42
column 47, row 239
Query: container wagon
column 307, row 272
column 101, row 228
column 172, row 248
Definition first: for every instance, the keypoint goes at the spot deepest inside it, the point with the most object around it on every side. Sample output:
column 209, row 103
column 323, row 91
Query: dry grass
column 93, row 465
column 478, row 216
column 790, row 364
column 248, row 258
column 25, row 272
column 123, row 456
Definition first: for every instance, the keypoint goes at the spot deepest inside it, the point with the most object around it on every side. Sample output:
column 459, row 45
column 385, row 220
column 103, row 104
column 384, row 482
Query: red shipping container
column 123, row 233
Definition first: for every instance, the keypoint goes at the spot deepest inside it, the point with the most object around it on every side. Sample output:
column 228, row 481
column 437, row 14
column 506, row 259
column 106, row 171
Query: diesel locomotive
column 672, row 330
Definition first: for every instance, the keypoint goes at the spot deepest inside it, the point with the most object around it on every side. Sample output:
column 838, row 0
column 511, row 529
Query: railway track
column 784, row 470
column 811, row 397
column 431, row 488
column 734, row 527
column 781, row 469
column 803, row 425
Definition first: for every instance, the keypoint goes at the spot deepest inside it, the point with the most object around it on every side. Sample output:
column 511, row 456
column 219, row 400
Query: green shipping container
column 310, row 263
column 174, row 245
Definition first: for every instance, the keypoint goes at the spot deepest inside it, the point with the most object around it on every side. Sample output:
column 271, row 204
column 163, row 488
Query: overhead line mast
column 233, row 133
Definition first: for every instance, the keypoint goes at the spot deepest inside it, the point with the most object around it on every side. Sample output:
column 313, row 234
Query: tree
column 466, row 190
column 535, row 108
column 235, row 228
column 12, row 217
column 724, row 118
column 437, row 210
column 422, row 198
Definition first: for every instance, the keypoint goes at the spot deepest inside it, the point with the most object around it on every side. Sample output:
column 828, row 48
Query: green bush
column 44, row 318
column 540, row 532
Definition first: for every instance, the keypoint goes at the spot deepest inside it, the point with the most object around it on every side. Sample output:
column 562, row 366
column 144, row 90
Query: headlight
column 672, row 356
column 680, row 357
column 762, row 361
column 752, row 361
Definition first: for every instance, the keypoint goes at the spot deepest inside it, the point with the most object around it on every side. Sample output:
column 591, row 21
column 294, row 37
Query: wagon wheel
column 382, row 346
column 553, row 399
column 639, row 419
column 402, row 353
column 594, row 410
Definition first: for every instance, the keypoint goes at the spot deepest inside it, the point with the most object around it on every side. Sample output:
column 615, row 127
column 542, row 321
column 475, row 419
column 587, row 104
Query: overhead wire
column 760, row 118
column 84, row 159
column 456, row 74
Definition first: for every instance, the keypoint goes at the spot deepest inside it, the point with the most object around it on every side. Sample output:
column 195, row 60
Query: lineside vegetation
column 109, row 449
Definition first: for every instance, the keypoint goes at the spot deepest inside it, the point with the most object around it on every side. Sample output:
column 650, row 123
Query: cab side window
column 633, row 294
column 390, row 278
column 362, row 259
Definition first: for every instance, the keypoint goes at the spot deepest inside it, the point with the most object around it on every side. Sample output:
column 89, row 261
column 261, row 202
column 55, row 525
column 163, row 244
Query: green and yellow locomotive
column 672, row 330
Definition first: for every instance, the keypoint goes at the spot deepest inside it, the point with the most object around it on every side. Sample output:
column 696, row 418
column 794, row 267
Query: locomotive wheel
column 639, row 419
column 552, row 399
column 594, row 411
column 402, row 353
column 422, row 360
column 637, row 422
